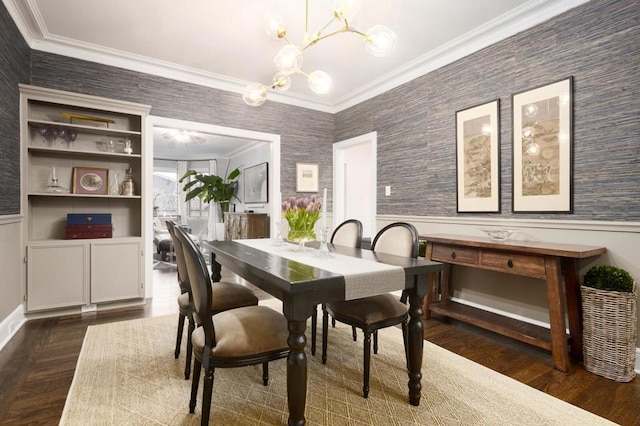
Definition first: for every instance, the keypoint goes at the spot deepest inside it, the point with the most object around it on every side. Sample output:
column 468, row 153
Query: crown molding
column 31, row 25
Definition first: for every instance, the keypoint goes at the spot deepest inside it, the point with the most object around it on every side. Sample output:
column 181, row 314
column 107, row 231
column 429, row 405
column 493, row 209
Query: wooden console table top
column 538, row 247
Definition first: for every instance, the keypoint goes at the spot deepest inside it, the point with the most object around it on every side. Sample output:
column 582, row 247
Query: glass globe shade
column 282, row 81
column 288, row 59
column 347, row 8
column 319, row 82
column 380, row 41
column 273, row 24
column 255, row 94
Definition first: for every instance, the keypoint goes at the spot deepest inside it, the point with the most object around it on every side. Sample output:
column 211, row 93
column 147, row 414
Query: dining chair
column 373, row 313
column 237, row 337
column 227, row 295
column 348, row 234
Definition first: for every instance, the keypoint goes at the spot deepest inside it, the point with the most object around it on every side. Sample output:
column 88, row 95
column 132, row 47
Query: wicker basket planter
column 609, row 321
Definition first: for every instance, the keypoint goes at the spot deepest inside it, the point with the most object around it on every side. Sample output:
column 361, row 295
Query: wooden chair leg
column 197, row 367
column 314, row 326
column 179, row 335
column 325, row 332
column 375, row 342
column 355, row 335
column 187, row 365
column 333, row 322
column 265, row 373
column 367, row 363
column 206, row 396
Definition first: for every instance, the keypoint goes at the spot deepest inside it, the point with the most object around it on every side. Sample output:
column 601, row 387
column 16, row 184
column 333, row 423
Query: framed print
column 478, row 158
column 542, row 135
column 256, row 183
column 90, row 180
column 306, row 177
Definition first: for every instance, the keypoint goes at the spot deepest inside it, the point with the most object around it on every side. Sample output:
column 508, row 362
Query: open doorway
column 354, row 181
column 238, row 143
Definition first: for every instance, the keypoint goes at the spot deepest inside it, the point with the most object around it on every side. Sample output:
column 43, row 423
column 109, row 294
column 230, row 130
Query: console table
column 546, row 261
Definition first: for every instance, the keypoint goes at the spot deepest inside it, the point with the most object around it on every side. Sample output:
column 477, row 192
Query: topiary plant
column 606, row 277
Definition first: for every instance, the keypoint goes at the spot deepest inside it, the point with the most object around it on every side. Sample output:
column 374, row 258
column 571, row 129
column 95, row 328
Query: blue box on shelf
column 89, row 219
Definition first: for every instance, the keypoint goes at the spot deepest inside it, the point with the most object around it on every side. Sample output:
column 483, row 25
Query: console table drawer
column 455, row 254
column 529, row 265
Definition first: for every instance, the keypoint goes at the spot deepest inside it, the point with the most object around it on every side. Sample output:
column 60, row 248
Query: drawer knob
column 453, row 254
column 510, row 263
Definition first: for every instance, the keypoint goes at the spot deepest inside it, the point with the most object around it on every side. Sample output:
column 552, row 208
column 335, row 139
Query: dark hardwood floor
column 37, row 365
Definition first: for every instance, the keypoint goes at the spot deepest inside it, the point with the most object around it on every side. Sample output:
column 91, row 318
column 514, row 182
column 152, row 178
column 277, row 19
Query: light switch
column 387, row 191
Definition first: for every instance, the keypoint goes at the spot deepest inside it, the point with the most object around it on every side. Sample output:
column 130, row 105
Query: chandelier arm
column 341, row 30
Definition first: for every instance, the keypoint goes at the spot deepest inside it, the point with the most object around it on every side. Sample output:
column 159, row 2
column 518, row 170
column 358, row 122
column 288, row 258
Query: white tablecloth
column 362, row 277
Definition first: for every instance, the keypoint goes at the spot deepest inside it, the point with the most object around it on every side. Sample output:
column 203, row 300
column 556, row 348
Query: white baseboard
column 10, row 325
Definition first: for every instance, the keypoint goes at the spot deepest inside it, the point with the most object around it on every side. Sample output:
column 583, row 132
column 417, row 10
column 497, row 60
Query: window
column 165, row 193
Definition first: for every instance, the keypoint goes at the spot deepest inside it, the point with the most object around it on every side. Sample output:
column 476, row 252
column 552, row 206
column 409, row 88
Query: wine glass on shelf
column 46, row 135
column 72, row 134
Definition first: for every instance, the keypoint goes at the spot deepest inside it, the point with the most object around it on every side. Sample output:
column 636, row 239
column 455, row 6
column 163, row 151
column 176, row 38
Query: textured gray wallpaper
column 597, row 43
column 14, row 69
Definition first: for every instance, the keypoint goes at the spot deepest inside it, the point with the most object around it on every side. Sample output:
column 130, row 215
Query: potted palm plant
column 212, row 188
column 609, row 318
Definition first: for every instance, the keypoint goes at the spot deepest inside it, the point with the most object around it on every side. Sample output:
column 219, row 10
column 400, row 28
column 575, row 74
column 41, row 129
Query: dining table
column 302, row 280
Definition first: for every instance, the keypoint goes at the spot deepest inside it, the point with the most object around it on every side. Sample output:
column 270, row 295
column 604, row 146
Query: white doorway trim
column 147, row 184
column 339, row 194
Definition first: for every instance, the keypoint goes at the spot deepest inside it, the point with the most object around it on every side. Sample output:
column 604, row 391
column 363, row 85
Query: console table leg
column 574, row 305
column 559, row 347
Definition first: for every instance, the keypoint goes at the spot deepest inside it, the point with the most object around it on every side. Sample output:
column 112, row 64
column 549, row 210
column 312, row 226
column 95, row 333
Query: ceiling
column 222, row 43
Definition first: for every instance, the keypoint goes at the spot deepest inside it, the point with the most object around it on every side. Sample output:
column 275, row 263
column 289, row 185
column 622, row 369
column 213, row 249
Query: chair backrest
column 200, row 281
column 399, row 238
column 183, row 277
column 348, row 233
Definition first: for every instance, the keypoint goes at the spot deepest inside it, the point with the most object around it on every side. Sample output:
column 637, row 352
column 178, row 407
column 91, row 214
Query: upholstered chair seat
column 238, row 335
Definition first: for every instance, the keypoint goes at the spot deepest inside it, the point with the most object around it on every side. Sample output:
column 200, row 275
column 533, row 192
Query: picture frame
column 542, row 149
column 478, row 158
column 90, row 180
column 256, row 183
column 306, row 177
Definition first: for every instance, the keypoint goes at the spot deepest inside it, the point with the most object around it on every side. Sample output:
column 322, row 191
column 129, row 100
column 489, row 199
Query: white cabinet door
column 56, row 275
column 116, row 272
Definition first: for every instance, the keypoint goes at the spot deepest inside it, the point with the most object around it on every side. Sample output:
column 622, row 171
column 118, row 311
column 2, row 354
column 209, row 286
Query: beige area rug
column 127, row 375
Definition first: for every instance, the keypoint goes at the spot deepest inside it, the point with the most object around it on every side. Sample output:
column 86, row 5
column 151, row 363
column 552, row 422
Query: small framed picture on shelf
column 90, row 180
column 306, row 177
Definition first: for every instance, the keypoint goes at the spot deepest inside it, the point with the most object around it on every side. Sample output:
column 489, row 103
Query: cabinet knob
column 510, row 263
column 453, row 254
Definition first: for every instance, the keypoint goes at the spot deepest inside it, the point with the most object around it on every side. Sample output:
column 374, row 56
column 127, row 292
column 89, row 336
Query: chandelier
column 177, row 137
column 378, row 41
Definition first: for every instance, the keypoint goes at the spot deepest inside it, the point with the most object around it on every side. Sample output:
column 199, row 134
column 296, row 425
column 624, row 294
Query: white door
column 354, row 181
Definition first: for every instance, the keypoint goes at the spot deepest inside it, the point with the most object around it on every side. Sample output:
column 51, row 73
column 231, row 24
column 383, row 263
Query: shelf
column 66, row 152
column 84, row 128
column 516, row 329
column 59, row 194
column 59, row 241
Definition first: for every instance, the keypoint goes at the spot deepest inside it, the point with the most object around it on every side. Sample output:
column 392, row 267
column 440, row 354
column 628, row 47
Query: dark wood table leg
column 559, row 347
column 296, row 373
column 415, row 338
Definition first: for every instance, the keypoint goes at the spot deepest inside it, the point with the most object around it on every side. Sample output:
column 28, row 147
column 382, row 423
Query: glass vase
column 301, row 237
